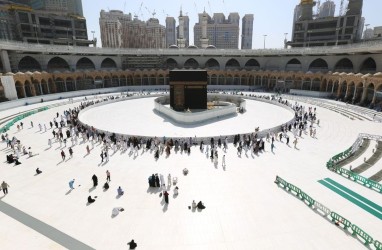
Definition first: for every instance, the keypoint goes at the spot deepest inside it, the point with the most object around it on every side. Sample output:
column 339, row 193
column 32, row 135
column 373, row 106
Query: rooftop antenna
column 154, row 13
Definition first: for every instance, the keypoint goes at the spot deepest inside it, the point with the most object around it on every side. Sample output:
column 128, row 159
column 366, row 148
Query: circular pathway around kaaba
column 137, row 117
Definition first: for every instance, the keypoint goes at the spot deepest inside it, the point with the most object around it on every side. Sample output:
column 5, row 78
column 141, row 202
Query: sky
column 271, row 17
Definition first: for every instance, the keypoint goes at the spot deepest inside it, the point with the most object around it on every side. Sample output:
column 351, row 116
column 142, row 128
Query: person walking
column 71, row 152
column 87, row 149
column 63, row 155
column 95, row 180
column 165, row 194
column 223, row 161
column 101, row 156
column 295, row 143
column 272, row 146
column 71, row 183
column 5, row 187
column 50, row 142
column 107, row 175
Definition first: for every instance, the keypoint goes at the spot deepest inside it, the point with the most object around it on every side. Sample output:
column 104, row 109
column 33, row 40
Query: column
column 66, row 88
column 5, row 61
column 364, row 93
column 24, row 91
column 347, row 91
column 39, row 84
column 311, row 84
column 75, row 84
column 355, row 92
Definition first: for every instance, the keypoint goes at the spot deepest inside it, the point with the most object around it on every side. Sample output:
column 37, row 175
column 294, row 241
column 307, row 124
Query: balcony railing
column 370, row 46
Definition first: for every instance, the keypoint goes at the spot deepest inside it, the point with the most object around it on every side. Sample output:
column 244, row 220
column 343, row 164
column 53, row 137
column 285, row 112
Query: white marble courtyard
column 245, row 208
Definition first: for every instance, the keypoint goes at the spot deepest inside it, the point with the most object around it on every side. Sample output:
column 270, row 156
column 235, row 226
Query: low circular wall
column 230, row 138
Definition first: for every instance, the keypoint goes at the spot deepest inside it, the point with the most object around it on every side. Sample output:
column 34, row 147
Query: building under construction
column 309, row 29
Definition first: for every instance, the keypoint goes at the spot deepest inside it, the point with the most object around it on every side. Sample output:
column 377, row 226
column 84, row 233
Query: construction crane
column 342, row 7
column 318, row 4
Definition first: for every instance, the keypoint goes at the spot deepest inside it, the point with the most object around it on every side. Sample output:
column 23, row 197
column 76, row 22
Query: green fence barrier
column 358, row 231
column 295, row 189
column 364, row 181
column 279, row 181
column 378, row 245
column 338, row 218
column 376, row 185
column 9, row 124
column 307, row 198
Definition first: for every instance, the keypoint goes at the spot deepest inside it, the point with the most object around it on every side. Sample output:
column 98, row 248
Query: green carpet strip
column 355, row 195
column 352, row 199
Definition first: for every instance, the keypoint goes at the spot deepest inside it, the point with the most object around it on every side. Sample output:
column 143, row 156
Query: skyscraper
column 111, row 27
column 218, row 31
column 69, row 6
column 327, row 9
column 170, row 31
column 119, row 30
column 246, row 31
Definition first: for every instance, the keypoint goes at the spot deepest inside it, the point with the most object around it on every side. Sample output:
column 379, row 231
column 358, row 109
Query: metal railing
column 370, row 46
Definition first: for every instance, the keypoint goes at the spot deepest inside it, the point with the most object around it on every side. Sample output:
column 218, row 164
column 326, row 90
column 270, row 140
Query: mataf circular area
column 137, row 117
column 245, row 209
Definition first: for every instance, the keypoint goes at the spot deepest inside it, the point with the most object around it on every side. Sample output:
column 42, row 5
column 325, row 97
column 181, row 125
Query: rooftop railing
column 370, row 46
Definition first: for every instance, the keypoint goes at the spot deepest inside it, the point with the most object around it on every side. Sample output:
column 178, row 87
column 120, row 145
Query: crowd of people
column 67, row 129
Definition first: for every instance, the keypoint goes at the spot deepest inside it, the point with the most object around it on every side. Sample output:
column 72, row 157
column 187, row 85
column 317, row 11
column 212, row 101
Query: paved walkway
column 245, row 209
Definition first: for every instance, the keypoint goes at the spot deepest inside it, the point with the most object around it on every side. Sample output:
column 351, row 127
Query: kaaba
column 188, row 89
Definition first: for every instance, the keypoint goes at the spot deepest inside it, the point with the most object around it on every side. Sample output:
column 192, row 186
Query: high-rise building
column 170, row 31
column 111, row 27
column 368, row 34
column 247, row 31
column 218, row 31
column 345, row 29
column 119, row 30
column 327, row 9
column 68, row 6
column 23, row 23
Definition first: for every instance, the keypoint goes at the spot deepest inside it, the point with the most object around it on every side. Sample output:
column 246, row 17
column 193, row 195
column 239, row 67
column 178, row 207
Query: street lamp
column 264, row 40
column 35, row 31
column 93, row 34
column 285, row 40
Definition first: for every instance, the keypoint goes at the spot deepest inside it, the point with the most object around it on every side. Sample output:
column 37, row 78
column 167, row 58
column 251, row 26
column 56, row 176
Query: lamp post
column 285, row 40
column 35, row 31
column 93, row 34
column 309, row 31
column 264, row 39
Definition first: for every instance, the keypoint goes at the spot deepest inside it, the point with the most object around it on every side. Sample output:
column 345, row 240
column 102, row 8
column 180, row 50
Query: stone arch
column 20, row 90
column 318, row 65
column 344, row 65
column 306, row 82
column 213, row 79
column 191, row 63
column 28, row 63
column 108, row 63
column 36, row 86
column 232, row 64
column 221, row 80
column 52, row 86
column 350, row 91
column 329, row 87
column 293, row 65
column 171, row 64
column 99, row 82
column 85, row 64
column 107, row 83
column 60, row 85
column 369, row 66
column 57, row 64
column 358, row 92
column 252, row 64
column 342, row 89
column 316, row 83
column 370, row 89
column 70, row 85
column 212, row 64
column 29, row 91
column 115, row 81
column 161, row 80
column 45, row 87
